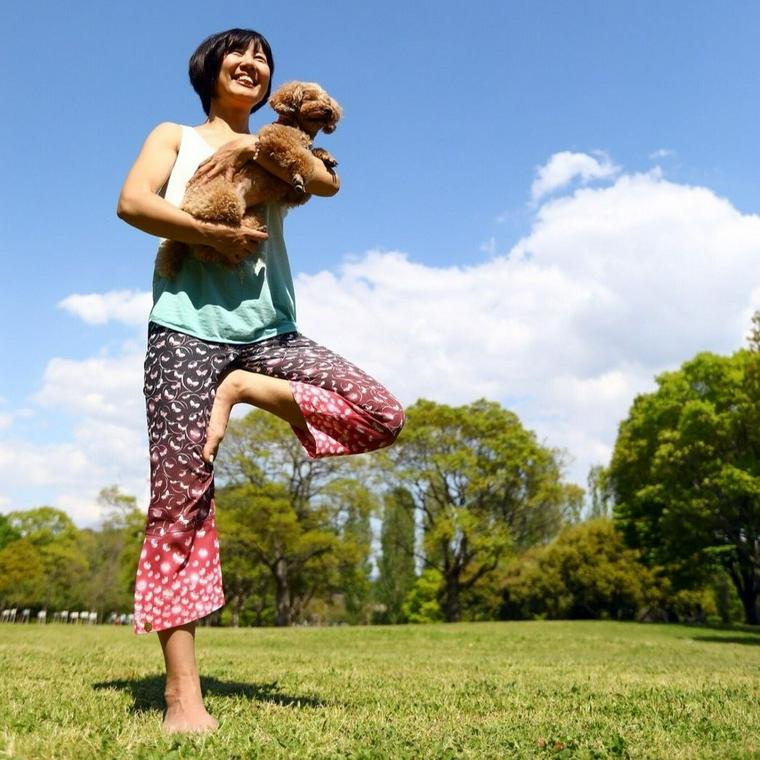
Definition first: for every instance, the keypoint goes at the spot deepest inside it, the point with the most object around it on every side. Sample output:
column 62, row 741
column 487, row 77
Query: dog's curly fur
column 303, row 109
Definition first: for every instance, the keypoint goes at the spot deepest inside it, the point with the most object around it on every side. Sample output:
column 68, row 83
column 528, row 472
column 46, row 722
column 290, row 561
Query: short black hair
column 206, row 61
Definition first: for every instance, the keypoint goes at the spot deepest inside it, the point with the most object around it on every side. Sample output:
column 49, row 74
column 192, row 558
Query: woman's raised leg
column 333, row 406
column 239, row 386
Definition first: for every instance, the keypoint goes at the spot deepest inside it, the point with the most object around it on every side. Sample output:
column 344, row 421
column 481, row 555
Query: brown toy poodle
column 303, row 109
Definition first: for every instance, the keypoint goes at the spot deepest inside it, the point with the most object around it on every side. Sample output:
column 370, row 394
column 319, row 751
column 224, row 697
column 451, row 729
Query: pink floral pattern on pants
column 179, row 576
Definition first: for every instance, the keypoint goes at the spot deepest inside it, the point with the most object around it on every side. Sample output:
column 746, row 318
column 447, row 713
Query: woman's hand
column 234, row 243
column 323, row 181
column 141, row 206
column 232, row 155
column 226, row 160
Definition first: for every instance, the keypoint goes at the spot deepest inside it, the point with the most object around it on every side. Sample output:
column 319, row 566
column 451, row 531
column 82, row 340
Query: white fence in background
column 81, row 617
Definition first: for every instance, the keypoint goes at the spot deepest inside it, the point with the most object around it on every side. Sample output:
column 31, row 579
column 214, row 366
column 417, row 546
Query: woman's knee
column 395, row 425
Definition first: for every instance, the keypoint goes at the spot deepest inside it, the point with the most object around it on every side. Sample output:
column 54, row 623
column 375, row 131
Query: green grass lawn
column 470, row 690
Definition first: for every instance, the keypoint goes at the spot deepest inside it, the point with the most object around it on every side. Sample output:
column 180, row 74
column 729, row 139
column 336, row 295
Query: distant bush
column 421, row 604
column 586, row 572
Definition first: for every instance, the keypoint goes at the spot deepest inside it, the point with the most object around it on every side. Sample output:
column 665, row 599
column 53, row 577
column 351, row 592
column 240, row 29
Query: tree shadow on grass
column 749, row 639
column 148, row 692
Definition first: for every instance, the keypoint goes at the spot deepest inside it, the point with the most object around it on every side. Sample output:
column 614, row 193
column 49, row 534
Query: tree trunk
column 451, row 611
column 282, row 598
column 746, row 583
column 749, row 599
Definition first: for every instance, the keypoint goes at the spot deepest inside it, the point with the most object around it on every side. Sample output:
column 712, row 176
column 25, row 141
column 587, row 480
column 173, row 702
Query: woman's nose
column 249, row 57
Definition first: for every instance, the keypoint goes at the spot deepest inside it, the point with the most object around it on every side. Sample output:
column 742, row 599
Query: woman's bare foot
column 184, row 702
column 185, row 712
column 227, row 395
column 269, row 393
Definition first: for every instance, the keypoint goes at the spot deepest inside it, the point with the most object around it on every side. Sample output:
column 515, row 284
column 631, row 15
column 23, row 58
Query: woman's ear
column 287, row 99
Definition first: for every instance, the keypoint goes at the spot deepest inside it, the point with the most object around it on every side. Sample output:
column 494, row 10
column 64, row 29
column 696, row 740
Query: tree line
column 476, row 519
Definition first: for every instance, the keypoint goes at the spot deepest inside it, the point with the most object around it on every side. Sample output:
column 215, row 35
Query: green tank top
column 214, row 302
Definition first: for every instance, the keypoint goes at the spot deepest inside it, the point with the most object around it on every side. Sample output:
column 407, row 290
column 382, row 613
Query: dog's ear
column 336, row 113
column 287, row 99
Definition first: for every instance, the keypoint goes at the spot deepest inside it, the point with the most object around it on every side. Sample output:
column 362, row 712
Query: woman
column 219, row 335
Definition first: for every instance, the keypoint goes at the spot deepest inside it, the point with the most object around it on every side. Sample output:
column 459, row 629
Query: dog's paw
column 325, row 157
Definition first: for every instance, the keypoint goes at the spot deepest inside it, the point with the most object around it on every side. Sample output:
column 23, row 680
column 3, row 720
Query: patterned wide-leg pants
column 179, row 576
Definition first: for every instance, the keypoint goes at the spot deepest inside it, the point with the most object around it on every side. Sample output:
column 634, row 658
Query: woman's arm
column 234, row 154
column 142, row 207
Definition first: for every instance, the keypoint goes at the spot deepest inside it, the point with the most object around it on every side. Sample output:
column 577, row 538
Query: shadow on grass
column 148, row 692
column 749, row 640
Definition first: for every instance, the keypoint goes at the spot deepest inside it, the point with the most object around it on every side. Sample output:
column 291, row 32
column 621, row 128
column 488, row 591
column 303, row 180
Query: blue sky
column 450, row 112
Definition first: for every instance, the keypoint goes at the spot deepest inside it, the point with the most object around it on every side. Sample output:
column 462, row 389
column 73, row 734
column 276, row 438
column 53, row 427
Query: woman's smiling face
column 244, row 74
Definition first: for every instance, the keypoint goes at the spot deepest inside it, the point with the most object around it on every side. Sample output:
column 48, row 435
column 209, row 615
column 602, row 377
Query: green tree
column 60, row 545
column 247, row 574
column 74, row 569
column 67, row 573
column 422, row 603
column 483, row 485
column 287, row 512
column 43, row 525
column 685, row 473
column 7, row 532
column 269, row 531
column 396, row 575
column 352, row 504
column 600, row 498
column 586, row 572
column 22, row 575
column 113, row 552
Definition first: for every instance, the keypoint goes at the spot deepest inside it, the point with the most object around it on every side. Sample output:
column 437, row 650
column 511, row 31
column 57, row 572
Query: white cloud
column 108, row 440
column 489, row 246
column 104, row 387
column 662, row 153
column 8, row 419
column 69, row 475
column 128, row 306
column 611, row 286
column 562, row 168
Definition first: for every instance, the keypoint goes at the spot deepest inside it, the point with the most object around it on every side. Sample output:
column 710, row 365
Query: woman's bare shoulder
column 167, row 133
